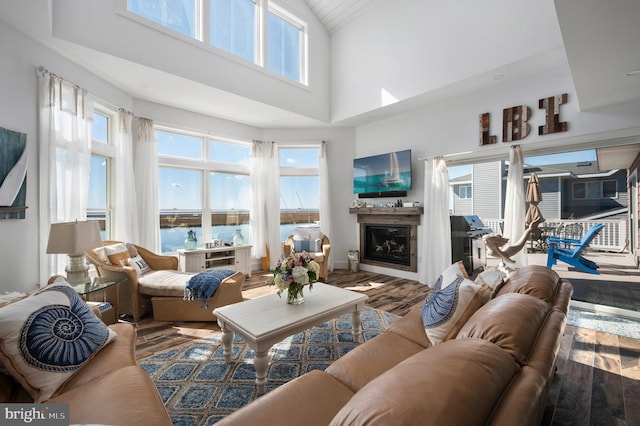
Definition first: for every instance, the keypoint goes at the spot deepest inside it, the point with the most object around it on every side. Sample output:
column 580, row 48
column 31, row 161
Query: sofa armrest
column 326, row 248
column 157, row 261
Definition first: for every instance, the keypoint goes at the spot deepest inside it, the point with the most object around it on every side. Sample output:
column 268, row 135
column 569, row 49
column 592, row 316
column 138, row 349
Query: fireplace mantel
column 390, row 216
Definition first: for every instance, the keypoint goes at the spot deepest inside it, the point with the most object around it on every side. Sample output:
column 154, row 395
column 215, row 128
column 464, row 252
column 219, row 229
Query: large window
column 203, row 187
column 285, row 41
column 179, row 15
column 99, row 203
column 257, row 31
column 299, row 188
column 180, row 204
column 233, row 27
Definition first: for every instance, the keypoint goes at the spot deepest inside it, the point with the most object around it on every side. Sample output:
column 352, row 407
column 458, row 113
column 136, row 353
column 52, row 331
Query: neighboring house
column 569, row 191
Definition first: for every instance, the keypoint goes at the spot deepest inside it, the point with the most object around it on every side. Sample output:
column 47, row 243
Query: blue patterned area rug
column 199, row 388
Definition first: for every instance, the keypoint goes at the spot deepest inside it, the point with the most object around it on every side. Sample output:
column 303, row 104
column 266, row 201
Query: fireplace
column 388, row 236
column 389, row 244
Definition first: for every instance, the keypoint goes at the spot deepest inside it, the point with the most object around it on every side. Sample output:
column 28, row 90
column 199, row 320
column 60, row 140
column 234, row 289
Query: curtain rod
column 43, row 70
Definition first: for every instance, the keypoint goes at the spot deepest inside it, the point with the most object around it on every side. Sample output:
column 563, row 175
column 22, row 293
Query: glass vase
column 294, row 294
column 238, row 239
column 191, row 243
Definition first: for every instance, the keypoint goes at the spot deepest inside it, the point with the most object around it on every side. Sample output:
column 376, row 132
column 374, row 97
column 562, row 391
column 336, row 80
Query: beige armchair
column 321, row 256
column 161, row 288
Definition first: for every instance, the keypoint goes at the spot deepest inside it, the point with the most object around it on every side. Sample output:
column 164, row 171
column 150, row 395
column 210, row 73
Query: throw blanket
column 203, row 285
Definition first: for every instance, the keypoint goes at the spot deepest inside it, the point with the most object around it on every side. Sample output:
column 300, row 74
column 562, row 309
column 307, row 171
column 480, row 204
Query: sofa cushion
column 368, row 360
column 164, row 282
column 47, row 337
column 535, row 280
column 311, row 399
column 449, row 306
column 511, row 321
column 124, row 396
column 454, row 383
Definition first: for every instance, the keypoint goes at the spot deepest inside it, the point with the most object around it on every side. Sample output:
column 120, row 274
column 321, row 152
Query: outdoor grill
column 466, row 241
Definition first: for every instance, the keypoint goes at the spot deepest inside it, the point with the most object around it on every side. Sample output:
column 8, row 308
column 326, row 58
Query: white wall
column 20, row 253
column 392, row 52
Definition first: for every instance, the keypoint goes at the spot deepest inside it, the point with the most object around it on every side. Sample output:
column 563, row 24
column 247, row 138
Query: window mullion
column 204, row 20
column 206, row 206
column 262, row 50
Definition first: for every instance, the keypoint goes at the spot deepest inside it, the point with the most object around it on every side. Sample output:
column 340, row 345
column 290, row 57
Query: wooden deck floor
column 598, row 376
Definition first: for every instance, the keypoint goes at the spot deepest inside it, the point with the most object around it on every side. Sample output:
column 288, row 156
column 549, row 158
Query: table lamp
column 72, row 239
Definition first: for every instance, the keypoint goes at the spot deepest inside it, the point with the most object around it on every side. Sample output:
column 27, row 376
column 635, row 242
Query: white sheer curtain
column 514, row 209
column 325, row 204
column 265, row 201
column 146, row 184
column 66, row 120
column 126, row 209
column 435, row 241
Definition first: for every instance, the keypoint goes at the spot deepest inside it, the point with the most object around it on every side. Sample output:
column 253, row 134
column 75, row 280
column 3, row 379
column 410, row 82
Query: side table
column 101, row 284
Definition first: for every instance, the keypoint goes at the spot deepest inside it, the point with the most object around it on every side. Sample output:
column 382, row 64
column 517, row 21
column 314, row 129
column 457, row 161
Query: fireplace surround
column 388, row 236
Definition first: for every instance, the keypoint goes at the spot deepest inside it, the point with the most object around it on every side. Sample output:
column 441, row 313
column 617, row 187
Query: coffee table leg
column 227, row 341
column 356, row 325
column 261, row 364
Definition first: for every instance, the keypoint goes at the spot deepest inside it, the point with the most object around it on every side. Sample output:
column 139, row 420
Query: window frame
column 587, row 187
column 205, row 166
column 202, row 38
column 298, row 172
column 468, row 191
column 108, row 151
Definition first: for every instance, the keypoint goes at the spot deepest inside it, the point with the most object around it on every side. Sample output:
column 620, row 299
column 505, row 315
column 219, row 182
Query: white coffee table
column 267, row 320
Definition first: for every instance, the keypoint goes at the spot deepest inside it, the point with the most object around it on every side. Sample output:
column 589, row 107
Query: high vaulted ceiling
column 335, row 13
column 601, row 41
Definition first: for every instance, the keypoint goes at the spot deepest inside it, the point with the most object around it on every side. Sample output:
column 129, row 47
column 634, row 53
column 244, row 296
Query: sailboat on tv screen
column 393, row 178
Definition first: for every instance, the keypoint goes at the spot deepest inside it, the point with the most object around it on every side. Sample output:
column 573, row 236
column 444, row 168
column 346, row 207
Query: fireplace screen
column 385, row 243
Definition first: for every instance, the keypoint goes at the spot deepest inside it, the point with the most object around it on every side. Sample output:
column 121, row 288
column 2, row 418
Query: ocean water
column 172, row 239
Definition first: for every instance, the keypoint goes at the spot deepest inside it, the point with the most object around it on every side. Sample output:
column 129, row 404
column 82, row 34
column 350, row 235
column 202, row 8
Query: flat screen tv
column 384, row 175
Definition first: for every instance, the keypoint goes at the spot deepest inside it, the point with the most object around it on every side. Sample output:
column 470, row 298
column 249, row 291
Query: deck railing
column 613, row 237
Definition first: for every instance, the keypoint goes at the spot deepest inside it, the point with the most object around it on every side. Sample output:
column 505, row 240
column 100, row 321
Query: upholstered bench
column 166, row 289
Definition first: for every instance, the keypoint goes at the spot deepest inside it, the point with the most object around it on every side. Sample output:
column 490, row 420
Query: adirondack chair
column 570, row 250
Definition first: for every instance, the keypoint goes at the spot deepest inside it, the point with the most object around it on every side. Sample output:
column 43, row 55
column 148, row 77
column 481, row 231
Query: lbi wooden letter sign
column 515, row 121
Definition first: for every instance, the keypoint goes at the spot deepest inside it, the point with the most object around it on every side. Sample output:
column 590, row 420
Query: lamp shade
column 73, row 237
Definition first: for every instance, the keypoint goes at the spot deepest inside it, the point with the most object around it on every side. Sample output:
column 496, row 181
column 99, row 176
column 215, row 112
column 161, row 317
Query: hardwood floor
column 598, row 375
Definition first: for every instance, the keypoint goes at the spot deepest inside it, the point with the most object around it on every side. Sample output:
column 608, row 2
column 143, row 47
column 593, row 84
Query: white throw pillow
column 493, row 278
column 139, row 265
column 117, row 253
column 102, row 255
column 48, row 336
column 449, row 306
column 449, row 274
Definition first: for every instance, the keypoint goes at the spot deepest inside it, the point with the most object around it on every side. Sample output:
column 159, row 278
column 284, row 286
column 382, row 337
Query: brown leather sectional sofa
column 111, row 389
column 497, row 370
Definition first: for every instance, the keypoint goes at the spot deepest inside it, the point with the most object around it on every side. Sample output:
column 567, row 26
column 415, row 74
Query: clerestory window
column 257, row 31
